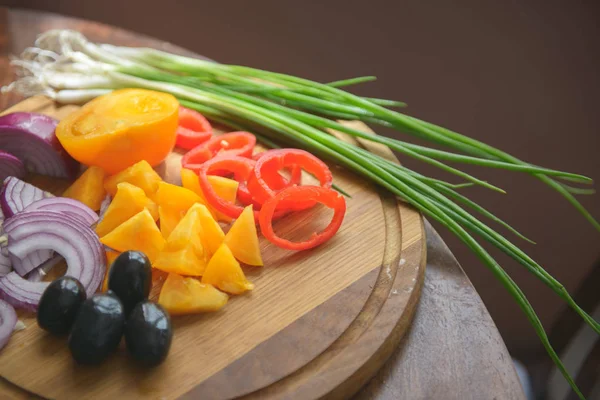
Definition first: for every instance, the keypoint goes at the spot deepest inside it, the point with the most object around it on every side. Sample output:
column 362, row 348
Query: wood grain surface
column 452, row 349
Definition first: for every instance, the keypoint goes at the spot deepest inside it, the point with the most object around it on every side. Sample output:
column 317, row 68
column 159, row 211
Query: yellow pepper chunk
column 128, row 201
column 137, row 233
column 184, row 252
column 169, row 218
column 212, row 235
column 175, row 197
column 224, row 272
column 224, row 188
column 183, row 261
column 242, row 239
column 88, row 188
column 140, row 174
column 181, row 295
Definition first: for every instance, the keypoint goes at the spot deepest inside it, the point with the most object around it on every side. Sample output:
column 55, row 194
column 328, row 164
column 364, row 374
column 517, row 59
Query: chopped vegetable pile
column 67, row 67
column 149, row 232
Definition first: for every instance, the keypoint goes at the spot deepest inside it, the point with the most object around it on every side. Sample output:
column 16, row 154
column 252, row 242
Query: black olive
column 131, row 278
column 97, row 329
column 148, row 333
column 59, row 305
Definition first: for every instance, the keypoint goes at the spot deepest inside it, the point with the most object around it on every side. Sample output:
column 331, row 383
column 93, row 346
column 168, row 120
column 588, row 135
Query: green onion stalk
column 286, row 109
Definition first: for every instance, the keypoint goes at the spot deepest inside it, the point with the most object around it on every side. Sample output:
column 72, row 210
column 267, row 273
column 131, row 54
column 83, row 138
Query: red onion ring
column 16, row 195
column 76, row 242
column 74, row 208
column 10, row 166
column 31, row 138
column 38, row 274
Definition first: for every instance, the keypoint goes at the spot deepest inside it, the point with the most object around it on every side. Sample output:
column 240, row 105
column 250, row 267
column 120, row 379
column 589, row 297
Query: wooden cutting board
column 319, row 323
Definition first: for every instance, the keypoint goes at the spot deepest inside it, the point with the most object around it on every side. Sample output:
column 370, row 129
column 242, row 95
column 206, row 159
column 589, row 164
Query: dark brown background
column 520, row 75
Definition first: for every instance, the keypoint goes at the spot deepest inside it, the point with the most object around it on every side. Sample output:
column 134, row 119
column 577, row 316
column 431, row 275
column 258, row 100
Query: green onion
column 287, row 109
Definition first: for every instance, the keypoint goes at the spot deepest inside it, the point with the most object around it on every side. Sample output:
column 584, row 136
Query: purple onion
column 16, row 195
column 5, row 264
column 31, row 261
column 38, row 274
column 31, row 138
column 10, row 166
column 8, row 320
column 38, row 230
column 74, row 208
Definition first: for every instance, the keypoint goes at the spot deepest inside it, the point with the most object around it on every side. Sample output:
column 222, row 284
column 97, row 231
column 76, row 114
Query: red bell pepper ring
column 230, row 144
column 328, row 197
column 275, row 180
column 193, row 129
column 240, row 167
column 273, row 161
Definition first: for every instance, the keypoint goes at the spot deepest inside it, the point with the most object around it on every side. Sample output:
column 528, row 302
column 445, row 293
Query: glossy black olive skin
column 60, row 304
column 148, row 333
column 130, row 278
column 98, row 328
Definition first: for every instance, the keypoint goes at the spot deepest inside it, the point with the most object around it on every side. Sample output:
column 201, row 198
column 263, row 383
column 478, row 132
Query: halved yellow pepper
column 88, row 188
column 140, row 174
column 128, row 201
column 137, row 233
column 121, row 128
column 242, row 239
column 212, row 235
column 175, row 197
column 181, row 295
column 224, row 188
column 224, row 272
column 110, row 258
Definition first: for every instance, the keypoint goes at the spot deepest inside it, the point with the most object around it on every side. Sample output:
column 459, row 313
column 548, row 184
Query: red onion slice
column 76, row 242
column 31, row 138
column 16, row 195
column 74, row 208
column 38, row 274
column 31, row 261
column 10, row 166
column 5, row 264
column 8, row 320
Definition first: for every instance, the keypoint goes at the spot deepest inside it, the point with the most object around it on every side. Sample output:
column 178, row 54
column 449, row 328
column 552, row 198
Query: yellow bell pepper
column 88, row 188
column 224, row 188
column 224, row 272
column 181, row 295
column 242, row 239
column 121, row 128
column 128, row 201
column 140, row 174
column 137, row 233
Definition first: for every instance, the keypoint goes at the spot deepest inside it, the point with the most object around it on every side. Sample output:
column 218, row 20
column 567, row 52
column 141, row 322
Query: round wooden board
column 319, row 323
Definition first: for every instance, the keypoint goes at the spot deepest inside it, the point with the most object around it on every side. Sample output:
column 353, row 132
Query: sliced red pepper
column 240, row 167
column 230, row 144
column 273, row 161
column 275, row 180
column 194, row 158
column 328, row 197
column 193, row 129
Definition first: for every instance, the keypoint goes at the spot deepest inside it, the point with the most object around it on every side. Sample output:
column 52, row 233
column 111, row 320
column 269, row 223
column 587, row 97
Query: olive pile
column 97, row 324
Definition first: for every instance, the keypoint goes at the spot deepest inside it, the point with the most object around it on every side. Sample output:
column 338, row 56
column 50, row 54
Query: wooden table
column 453, row 349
